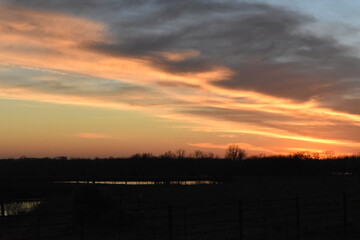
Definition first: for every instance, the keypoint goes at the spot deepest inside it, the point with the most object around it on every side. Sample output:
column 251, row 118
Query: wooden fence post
column 119, row 218
column 81, row 225
column 213, row 223
column 38, row 223
column 297, row 218
column 154, row 223
column 185, row 223
column 2, row 203
column 345, row 216
column 240, row 220
column 170, row 223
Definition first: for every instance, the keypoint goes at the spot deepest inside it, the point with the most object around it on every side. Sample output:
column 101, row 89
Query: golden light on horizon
column 203, row 86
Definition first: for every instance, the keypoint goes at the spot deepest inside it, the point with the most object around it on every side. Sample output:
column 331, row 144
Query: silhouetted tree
column 180, row 153
column 234, row 152
column 316, row 155
column 168, row 154
column 136, row 156
column 198, row 154
column 210, row 155
column 301, row 155
column 329, row 154
column 147, row 155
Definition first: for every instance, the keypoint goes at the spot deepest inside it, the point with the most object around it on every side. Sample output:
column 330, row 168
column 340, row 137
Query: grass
column 269, row 211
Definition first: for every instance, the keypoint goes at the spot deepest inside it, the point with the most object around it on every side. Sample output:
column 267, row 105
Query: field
column 324, row 207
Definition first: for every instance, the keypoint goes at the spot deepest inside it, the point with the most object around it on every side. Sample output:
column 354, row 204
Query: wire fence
column 315, row 217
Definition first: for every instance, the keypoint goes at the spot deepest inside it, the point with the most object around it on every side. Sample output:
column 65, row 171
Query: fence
column 316, row 217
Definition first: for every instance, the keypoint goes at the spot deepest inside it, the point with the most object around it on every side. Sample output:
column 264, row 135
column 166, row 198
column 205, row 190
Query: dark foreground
column 323, row 207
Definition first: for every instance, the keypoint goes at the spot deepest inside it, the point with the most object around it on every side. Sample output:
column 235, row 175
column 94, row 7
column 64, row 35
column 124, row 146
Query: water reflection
column 21, row 207
column 198, row 182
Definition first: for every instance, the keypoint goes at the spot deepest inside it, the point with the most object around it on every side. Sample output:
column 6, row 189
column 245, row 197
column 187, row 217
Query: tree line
column 233, row 152
column 179, row 164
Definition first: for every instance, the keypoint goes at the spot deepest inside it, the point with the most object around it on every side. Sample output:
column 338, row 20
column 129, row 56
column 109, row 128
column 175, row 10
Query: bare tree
column 147, row 155
column 329, row 154
column 234, row 152
column 168, row 154
column 210, row 155
column 316, row 155
column 180, row 153
column 136, row 156
column 302, row 155
column 198, row 154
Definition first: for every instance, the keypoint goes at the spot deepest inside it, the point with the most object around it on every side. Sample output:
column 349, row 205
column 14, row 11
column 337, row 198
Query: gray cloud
column 244, row 116
column 71, row 84
column 349, row 105
column 265, row 46
column 291, row 124
column 176, row 84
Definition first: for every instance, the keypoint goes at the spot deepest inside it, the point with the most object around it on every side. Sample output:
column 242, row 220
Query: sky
column 100, row 78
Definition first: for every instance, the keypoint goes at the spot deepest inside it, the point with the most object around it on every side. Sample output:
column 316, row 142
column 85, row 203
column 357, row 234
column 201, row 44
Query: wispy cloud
column 233, row 68
column 225, row 146
column 227, row 136
column 208, row 145
column 92, row 135
column 305, row 150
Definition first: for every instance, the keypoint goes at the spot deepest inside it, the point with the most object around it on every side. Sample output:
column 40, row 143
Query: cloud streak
column 238, row 68
column 225, row 146
column 93, row 135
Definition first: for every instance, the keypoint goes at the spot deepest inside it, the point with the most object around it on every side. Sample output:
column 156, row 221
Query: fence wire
column 316, row 217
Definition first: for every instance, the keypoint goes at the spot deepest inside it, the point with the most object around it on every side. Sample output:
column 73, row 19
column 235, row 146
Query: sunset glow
column 154, row 76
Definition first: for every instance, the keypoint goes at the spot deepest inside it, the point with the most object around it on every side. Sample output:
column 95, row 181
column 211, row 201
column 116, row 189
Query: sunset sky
column 100, row 78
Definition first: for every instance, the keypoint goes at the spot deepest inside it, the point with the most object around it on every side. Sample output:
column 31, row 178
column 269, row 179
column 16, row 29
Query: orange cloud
column 180, row 56
column 245, row 146
column 59, row 44
column 227, row 136
column 208, row 145
column 219, row 126
column 92, row 135
column 305, row 150
column 42, row 39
